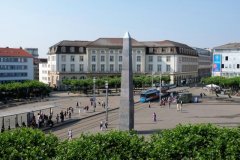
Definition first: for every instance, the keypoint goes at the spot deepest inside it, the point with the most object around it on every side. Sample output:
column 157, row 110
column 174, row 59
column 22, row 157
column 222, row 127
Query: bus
column 149, row 95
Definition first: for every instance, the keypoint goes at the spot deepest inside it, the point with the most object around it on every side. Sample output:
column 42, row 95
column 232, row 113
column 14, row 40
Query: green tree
column 27, row 143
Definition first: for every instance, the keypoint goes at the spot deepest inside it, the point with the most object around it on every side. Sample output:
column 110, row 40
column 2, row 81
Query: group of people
column 63, row 115
column 103, row 125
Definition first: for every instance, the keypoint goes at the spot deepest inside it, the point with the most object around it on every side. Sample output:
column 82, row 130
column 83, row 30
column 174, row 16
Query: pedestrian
column 106, row 124
column 69, row 115
column 69, row 134
column 68, row 92
column 72, row 109
column 201, row 95
column 57, row 118
column 149, row 104
column 77, row 104
column 101, row 125
column 62, row 116
column 169, row 104
column 65, row 114
column 154, row 117
column 79, row 111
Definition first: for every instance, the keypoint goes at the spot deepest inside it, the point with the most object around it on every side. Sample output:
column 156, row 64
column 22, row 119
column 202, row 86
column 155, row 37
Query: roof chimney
column 20, row 47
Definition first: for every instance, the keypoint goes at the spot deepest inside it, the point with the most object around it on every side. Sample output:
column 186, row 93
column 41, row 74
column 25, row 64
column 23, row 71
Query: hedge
column 200, row 141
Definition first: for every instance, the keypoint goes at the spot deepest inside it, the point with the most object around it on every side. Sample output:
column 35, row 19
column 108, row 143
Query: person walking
column 101, row 125
column 154, row 117
column 181, row 105
column 106, row 124
column 69, row 134
column 57, row 118
column 169, row 104
column 149, row 104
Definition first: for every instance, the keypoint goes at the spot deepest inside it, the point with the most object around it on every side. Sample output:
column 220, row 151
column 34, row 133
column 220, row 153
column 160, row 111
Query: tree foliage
column 200, row 141
column 27, row 143
column 24, row 89
column 112, row 145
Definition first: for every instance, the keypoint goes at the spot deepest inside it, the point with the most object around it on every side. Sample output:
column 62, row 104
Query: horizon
column 41, row 24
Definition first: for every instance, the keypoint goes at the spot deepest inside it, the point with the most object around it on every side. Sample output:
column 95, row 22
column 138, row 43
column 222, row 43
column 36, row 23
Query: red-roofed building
column 15, row 65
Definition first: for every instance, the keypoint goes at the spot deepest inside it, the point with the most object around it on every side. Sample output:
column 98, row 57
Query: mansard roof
column 229, row 46
column 113, row 42
column 72, row 43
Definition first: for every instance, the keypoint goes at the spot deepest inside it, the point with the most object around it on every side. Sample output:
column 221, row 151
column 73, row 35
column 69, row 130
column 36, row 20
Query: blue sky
column 42, row 23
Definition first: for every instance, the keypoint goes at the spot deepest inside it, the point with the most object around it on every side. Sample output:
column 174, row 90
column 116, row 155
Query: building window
column 72, row 49
column 111, row 67
column 150, row 67
column 237, row 65
column 81, row 49
column 230, row 66
column 150, row 50
column 150, row 58
column 63, row 67
column 102, row 67
column 63, row 49
column 102, row 58
column 63, row 58
column 111, row 51
column 111, row 58
column 81, row 67
column 168, row 68
column 120, row 58
column 226, row 58
column 72, row 58
column 168, row 58
column 93, row 58
column 81, row 58
column 93, row 51
column 102, row 51
column 138, row 51
column 119, row 51
column 120, row 67
column 172, row 50
column 138, row 58
column 222, row 65
column 159, row 58
column 94, row 67
column 72, row 67
column 159, row 67
column 138, row 67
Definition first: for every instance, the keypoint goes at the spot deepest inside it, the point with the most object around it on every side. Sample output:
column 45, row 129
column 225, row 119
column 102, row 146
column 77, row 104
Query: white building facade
column 226, row 60
column 44, row 68
column 80, row 59
column 15, row 65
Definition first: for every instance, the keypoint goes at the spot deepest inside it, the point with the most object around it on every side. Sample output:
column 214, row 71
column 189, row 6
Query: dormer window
column 72, row 49
column 63, row 49
column 81, row 49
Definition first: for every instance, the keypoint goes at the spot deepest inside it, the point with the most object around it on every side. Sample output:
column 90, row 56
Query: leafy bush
column 202, row 141
column 112, row 145
column 196, row 142
column 27, row 143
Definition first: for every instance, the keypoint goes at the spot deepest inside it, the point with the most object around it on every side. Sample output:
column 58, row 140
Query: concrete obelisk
column 126, row 115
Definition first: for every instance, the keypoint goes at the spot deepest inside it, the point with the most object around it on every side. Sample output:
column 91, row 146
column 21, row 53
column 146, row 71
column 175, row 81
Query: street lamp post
column 106, row 107
column 160, row 88
column 152, row 79
column 94, row 97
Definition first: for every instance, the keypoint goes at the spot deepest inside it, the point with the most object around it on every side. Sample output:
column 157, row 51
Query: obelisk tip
column 127, row 35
